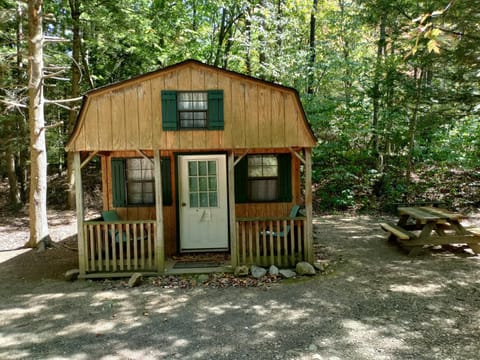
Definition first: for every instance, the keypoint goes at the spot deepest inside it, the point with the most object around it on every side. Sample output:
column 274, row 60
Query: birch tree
column 38, row 151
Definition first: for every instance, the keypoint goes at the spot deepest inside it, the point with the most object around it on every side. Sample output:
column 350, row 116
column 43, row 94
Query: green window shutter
column 166, row 182
column 119, row 198
column 284, row 177
column 241, row 181
column 169, row 110
column 215, row 109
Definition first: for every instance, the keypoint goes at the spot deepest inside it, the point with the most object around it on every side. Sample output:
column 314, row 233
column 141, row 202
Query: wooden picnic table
column 420, row 226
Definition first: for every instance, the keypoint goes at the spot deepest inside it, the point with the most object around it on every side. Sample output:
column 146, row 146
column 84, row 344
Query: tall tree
column 312, row 57
column 38, row 150
column 12, row 94
column 75, row 10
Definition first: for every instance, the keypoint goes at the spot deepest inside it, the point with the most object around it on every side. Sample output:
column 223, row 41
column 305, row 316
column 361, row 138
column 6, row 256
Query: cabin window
column 140, row 182
column 263, row 178
column 133, row 182
column 192, row 110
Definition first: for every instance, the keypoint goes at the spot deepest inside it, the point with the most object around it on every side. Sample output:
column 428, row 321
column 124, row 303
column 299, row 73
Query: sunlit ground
column 376, row 303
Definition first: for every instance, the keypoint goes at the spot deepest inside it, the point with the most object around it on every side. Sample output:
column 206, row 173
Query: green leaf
column 432, row 46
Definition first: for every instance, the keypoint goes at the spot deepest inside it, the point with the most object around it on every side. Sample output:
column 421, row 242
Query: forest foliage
column 391, row 88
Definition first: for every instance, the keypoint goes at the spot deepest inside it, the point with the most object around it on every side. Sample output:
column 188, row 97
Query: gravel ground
column 375, row 302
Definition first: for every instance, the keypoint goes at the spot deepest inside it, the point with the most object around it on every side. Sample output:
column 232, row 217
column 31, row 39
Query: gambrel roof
column 128, row 115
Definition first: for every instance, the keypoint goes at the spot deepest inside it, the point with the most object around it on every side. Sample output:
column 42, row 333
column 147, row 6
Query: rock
column 305, row 268
column 273, row 270
column 287, row 274
column 202, row 278
column 135, row 280
column 72, row 275
column 45, row 243
column 321, row 265
column 257, row 271
column 241, row 270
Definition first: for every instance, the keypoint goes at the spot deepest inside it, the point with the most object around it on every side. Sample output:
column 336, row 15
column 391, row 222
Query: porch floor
column 191, row 263
column 196, row 263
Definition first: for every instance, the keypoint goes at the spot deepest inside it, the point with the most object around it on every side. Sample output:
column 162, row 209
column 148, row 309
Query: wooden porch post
column 231, row 209
column 308, row 204
column 159, row 238
column 80, row 213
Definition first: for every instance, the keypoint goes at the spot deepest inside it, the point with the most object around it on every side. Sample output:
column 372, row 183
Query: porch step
column 197, row 270
column 196, row 264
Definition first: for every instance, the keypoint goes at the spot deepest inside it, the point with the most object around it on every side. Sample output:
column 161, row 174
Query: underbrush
column 363, row 189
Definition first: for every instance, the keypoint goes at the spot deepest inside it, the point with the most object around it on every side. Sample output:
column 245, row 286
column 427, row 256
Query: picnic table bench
column 420, row 226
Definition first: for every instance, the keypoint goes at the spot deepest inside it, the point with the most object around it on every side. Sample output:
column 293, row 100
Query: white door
column 203, row 202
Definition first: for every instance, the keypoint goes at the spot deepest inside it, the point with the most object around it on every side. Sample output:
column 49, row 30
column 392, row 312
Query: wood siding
column 135, row 213
column 128, row 115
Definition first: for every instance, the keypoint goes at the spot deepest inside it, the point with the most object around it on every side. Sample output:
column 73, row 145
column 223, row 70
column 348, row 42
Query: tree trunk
column 22, row 126
column 279, row 23
column 194, row 16
column 248, row 41
column 376, row 87
column 262, row 55
column 221, row 37
column 38, row 151
column 311, row 62
column 10, row 153
column 14, row 193
column 347, row 82
column 412, row 128
column 75, row 13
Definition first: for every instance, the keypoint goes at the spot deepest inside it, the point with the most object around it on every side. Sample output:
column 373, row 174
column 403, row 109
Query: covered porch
column 120, row 247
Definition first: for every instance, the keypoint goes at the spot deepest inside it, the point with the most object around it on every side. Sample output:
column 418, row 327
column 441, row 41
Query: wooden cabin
column 195, row 161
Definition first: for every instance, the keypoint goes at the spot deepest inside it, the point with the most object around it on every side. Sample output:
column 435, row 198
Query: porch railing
column 120, row 246
column 277, row 241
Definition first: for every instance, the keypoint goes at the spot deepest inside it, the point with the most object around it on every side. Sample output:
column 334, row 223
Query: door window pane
column 212, row 183
column 212, row 199
column 193, row 184
column 202, row 181
column 204, row 199
column 212, row 167
column 193, row 199
column 202, row 168
column 192, row 168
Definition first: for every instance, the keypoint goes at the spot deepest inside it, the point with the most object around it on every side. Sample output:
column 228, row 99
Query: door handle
column 184, row 204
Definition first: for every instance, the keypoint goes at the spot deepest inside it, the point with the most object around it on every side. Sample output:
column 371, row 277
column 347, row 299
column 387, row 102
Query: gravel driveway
column 374, row 303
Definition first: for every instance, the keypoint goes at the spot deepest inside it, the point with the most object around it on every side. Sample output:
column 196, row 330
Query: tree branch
column 12, row 103
column 53, row 75
column 54, row 39
column 63, row 100
column 459, row 33
column 52, row 126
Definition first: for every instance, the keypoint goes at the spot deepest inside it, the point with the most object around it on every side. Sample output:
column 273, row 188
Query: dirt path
column 376, row 303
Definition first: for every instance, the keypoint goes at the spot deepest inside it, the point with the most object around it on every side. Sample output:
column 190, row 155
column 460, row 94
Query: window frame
column 119, row 191
column 129, row 180
column 252, row 179
column 170, row 111
column 192, row 111
column 284, row 182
